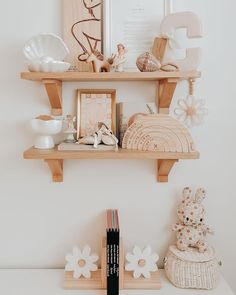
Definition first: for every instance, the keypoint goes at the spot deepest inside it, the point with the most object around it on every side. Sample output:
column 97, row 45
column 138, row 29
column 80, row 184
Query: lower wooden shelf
column 55, row 158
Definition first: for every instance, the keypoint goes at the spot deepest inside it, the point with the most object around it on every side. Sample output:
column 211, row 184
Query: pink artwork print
column 95, row 108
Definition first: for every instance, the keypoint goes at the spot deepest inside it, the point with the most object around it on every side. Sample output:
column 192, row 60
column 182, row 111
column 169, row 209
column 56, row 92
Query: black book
column 113, row 241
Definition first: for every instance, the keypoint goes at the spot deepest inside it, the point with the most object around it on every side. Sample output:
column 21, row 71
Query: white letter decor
column 192, row 23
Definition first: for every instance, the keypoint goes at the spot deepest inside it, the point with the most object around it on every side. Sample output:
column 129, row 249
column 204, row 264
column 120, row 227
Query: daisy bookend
column 147, row 279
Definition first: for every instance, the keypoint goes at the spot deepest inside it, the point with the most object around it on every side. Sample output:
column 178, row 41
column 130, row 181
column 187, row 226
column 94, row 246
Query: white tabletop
column 48, row 282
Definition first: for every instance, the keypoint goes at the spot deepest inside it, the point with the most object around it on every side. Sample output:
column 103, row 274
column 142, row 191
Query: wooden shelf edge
column 54, row 154
column 125, row 76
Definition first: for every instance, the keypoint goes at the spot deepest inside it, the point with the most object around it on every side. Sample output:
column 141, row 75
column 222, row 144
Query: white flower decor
column 81, row 263
column 142, row 262
column 191, row 111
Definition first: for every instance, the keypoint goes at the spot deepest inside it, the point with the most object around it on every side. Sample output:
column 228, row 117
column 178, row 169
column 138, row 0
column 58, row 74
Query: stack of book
column 84, row 147
column 112, row 253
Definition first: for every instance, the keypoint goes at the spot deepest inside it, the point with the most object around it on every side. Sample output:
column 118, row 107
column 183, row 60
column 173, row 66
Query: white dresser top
column 48, row 282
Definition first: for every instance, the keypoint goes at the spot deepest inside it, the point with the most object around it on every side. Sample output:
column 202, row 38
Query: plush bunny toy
column 192, row 230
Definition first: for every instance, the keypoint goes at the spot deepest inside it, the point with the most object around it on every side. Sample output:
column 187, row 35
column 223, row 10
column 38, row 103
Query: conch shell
column 147, row 62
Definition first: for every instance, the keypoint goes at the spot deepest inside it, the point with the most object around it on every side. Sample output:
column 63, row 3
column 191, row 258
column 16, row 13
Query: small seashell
column 170, row 68
column 147, row 62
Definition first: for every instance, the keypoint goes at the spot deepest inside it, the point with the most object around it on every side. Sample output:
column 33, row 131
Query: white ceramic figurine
column 70, row 131
column 120, row 58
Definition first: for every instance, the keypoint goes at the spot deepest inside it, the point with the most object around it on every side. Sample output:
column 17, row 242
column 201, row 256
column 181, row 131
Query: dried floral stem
column 191, row 86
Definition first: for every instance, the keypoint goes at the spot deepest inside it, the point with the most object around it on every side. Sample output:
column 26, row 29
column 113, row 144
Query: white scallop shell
column 46, row 45
column 48, row 67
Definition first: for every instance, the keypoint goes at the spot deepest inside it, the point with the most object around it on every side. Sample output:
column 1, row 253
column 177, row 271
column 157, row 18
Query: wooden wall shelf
column 55, row 158
column 166, row 83
column 108, row 77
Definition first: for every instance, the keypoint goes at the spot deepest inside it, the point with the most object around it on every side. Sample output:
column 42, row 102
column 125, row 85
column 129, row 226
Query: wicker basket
column 191, row 269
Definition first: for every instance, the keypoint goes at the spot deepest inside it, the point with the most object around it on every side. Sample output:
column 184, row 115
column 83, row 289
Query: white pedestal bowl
column 44, row 131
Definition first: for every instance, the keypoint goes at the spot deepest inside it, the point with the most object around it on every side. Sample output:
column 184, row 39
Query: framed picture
column 94, row 106
column 82, row 30
column 134, row 23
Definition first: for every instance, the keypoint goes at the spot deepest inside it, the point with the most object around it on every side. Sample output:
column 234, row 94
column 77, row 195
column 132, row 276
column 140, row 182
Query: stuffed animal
column 191, row 230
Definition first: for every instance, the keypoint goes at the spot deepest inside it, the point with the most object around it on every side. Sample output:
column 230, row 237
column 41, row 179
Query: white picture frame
column 110, row 40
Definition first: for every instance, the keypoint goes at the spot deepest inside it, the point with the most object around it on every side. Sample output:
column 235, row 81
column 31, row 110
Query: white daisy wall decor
column 81, row 262
column 191, row 111
column 142, row 262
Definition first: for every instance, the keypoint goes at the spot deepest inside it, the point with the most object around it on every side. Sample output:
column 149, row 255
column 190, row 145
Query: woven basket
column 191, row 269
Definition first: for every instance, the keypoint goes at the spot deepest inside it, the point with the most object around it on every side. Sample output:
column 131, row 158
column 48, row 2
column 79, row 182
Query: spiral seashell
column 147, row 62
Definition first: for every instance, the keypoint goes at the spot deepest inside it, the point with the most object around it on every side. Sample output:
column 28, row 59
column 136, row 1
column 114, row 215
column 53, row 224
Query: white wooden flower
column 81, row 263
column 191, row 111
column 142, row 262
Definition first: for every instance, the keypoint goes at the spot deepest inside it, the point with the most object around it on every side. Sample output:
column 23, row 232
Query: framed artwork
column 82, row 30
column 94, row 106
column 134, row 23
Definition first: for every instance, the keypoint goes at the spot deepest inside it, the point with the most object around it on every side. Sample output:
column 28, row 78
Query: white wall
column 41, row 221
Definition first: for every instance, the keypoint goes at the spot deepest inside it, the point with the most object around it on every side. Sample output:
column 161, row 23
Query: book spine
column 112, row 262
column 116, row 262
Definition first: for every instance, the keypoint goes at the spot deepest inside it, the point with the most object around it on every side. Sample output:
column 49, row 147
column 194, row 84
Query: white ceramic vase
column 44, row 131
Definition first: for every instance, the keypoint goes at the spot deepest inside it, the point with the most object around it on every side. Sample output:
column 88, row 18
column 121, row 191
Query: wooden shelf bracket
column 54, row 91
column 56, row 167
column 165, row 94
column 163, row 169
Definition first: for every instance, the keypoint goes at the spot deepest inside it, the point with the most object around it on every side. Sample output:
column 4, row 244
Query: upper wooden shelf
column 167, row 84
column 125, row 76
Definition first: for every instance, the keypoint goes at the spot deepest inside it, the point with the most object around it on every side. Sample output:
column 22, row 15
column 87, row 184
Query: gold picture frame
column 93, row 106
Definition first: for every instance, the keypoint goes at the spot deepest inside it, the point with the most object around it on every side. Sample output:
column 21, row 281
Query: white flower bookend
column 141, row 272
column 142, row 263
column 81, row 262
